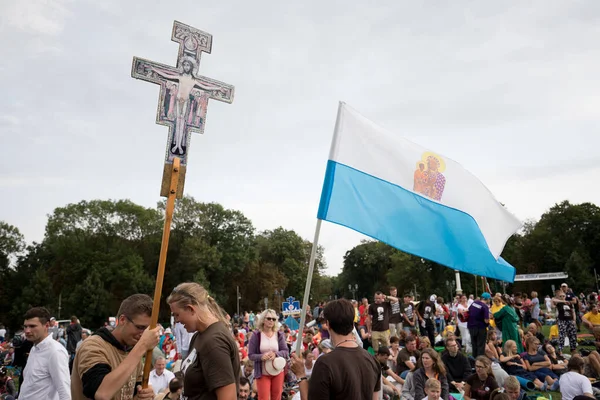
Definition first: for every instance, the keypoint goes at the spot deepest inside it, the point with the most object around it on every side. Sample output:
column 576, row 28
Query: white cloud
column 46, row 17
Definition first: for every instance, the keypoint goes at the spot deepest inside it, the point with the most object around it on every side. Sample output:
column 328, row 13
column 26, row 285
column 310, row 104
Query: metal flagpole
column 313, row 252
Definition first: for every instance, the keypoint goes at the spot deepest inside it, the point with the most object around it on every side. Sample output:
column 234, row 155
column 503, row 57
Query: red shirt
column 362, row 311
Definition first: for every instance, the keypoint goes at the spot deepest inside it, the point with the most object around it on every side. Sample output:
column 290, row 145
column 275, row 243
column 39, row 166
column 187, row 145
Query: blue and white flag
column 413, row 199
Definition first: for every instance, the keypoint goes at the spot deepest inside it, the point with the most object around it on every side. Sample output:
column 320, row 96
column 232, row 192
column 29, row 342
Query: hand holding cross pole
column 162, row 261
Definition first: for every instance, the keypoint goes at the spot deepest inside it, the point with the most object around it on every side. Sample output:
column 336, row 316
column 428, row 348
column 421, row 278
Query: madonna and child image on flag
column 413, row 199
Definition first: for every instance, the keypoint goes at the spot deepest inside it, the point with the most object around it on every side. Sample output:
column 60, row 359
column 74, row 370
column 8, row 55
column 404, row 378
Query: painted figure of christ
column 186, row 82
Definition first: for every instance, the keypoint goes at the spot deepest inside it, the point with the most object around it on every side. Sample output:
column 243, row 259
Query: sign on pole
column 290, row 307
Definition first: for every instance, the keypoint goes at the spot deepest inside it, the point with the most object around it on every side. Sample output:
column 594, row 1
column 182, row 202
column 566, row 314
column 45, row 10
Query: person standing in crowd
column 46, row 375
column 508, row 319
column 378, row 321
column 160, row 376
column 84, row 335
column 565, row 311
column 395, row 313
column 535, row 309
column 182, row 340
column 348, row 372
column 363, row 311
column 53, row 328
column 462, row 310
column 479, row 318
column 212, row 368
column 408, row 313
column 426, row 316
column 267, row 348
column 73, row 337
column 108, row 364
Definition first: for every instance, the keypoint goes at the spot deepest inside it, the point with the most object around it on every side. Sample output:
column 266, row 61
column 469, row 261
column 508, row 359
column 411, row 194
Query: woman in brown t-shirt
column 212, row 368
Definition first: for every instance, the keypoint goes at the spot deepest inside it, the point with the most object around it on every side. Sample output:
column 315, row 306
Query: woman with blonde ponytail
column 212, row 367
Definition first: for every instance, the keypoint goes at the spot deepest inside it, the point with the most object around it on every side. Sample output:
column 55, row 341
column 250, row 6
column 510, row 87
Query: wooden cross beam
column 183, row 96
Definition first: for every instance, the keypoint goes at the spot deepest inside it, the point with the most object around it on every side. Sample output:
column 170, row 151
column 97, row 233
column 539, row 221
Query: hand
column 297, row 366
column 147, row 393
column 149, row 339
column 398, row 391
column 459, row 385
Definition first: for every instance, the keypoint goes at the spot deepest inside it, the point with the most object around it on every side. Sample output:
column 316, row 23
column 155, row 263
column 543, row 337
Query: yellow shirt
column 553, row 332
column 594, row 319
column 495, row 309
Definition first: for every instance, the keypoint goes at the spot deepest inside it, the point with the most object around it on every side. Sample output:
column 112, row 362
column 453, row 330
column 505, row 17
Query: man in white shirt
column 182, row 340
column 160, row 376
column 46, row 375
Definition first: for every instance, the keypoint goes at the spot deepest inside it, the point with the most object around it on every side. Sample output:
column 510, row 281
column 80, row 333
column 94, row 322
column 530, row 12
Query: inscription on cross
column 184, row 95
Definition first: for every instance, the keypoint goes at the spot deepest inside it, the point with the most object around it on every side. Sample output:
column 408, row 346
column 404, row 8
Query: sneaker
column 555, row 387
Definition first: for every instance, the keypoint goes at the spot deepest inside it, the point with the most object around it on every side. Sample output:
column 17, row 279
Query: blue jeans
column 543, row 372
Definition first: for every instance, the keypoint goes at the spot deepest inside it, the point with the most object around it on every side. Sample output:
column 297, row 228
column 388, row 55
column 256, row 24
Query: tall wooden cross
column 182, row 107
column 183, row 95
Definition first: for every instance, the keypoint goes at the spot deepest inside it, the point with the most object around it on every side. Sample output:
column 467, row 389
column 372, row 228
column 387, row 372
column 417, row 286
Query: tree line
column 95, row 253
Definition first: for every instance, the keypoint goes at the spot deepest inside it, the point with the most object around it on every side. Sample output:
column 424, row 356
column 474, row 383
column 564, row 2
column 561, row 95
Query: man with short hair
column 408, row 313
column 388, row 387
column 84, row 335
column 378, row 321
column 174, row 392
column 592, row 317
column 407, row 357
column 53, row 328
column 349, row 372
column 244, row 392
column 73, row 337
column 533, row 329
column 395, row 313
column 458, row 367
column 46, row 375
column 160, row 376
column 479, row 319
column 108, row 364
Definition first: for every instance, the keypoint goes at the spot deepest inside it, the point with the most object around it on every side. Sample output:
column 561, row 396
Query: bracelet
column 304, row 378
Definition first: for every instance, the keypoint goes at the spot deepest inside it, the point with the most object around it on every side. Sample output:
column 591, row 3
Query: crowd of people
column 489, row 347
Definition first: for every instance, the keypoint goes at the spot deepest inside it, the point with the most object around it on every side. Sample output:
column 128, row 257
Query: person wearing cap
column 382, row 356
column 479, row 319
column 53, row 328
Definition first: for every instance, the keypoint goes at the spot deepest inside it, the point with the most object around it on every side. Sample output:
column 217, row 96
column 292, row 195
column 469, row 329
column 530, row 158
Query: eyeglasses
column 138, row 327
column 271, row 319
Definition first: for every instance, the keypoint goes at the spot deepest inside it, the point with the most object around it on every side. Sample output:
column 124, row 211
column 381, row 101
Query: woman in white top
column 462, row 310
column 574, row 383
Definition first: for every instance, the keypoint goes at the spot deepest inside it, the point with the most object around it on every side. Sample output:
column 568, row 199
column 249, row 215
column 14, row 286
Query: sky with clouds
column 509, row 89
